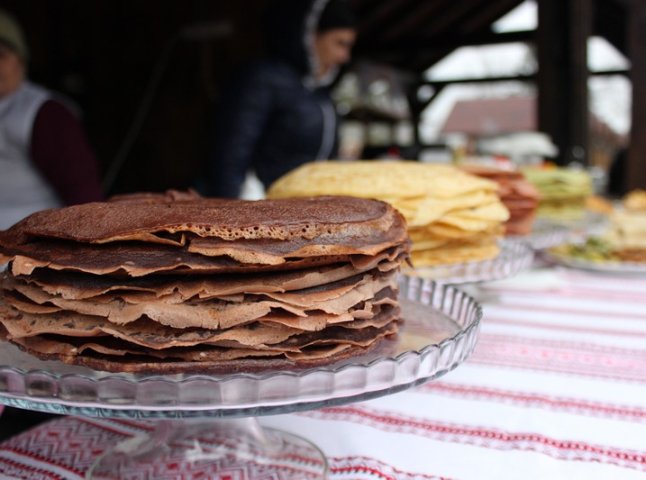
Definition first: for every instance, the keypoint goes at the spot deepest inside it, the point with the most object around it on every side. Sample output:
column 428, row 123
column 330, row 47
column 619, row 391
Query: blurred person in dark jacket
column 277, row 113
column 45, row 158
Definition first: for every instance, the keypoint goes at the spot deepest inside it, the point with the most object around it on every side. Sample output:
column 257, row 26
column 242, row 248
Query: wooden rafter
column 431, row 46
column 489, row 12
column 417, row 17
column 381, row 15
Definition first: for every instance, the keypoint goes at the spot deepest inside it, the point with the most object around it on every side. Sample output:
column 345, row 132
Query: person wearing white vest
column 45, row 159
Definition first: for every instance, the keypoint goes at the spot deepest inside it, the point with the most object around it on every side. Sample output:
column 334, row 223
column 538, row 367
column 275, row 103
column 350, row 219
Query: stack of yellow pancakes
column 627, row 235
column 635, row 200
column 627, row 232
column 452, row 216
column 164, row 284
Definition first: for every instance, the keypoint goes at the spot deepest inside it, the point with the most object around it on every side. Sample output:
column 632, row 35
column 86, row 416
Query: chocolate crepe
column 517, row 194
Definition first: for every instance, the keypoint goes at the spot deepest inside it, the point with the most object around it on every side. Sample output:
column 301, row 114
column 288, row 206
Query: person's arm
column 60, row 150
column 241, row 119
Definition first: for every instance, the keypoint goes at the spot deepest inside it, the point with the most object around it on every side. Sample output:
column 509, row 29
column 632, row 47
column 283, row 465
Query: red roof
column 492, row 116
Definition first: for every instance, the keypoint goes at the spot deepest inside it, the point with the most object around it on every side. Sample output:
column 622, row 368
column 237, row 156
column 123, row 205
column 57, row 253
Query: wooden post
column 563, row 30
column 636, row 31
column 417, row 107
column 415, row 116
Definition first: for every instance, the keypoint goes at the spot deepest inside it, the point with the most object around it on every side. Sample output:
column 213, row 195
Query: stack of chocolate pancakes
column 164, row 284
column 519, row 196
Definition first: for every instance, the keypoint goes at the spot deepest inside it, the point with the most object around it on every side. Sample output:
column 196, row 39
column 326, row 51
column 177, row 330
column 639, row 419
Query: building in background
column 483, row 124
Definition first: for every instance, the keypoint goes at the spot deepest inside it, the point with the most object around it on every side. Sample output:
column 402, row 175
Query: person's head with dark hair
column 334, row 38
column 336, row 14
column 13, row 54
column 315, row 36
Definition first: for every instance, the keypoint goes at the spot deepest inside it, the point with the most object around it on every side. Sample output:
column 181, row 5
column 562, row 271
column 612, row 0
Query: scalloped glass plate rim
column 544, row 235
column 514, row 254
column 588, row 219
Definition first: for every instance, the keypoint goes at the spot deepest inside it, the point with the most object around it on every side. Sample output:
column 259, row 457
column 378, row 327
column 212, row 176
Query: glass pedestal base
column 215, row 449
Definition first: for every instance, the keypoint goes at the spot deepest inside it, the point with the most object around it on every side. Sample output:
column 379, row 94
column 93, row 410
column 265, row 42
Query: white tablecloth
column 556, row 389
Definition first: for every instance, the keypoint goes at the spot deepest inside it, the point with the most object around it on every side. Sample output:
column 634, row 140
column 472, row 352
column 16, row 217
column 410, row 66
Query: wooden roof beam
column 511, row 78
column 455, row 17
column 636, row 167
column 434, row 18
column 373, row 19
column 491, row 12
column 471, row 24
column 610, row 20
column 423, row 13
column 446, row 42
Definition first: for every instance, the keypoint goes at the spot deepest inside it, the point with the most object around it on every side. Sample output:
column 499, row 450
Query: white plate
column 623, row 268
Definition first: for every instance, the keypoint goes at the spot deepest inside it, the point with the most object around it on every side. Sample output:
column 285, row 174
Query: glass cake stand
column 514, row 257
column 205, row 425
column 586, row 225
column 545, row 234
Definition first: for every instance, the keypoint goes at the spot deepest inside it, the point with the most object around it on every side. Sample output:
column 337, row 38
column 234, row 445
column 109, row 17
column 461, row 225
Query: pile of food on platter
column 635, row 200
column 563, row 191
column 176, row 283
column 624, row 241
column 627, row 235
column 516, row 193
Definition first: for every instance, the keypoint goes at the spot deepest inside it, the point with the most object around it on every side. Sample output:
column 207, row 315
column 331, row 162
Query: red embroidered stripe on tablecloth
column 529, row 399
column 483, row 437
column 565, row 328
column 361, row 464
column 577, row 278
column 574, row 292
column 542, row 305
column 13, row 469
column 561, row 356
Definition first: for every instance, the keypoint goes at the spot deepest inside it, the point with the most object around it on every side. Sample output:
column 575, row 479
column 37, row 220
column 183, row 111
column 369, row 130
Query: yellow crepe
column 441, row 204
column 635, row 200
column 456, row 254
column 378, row 180
column 628, row 230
